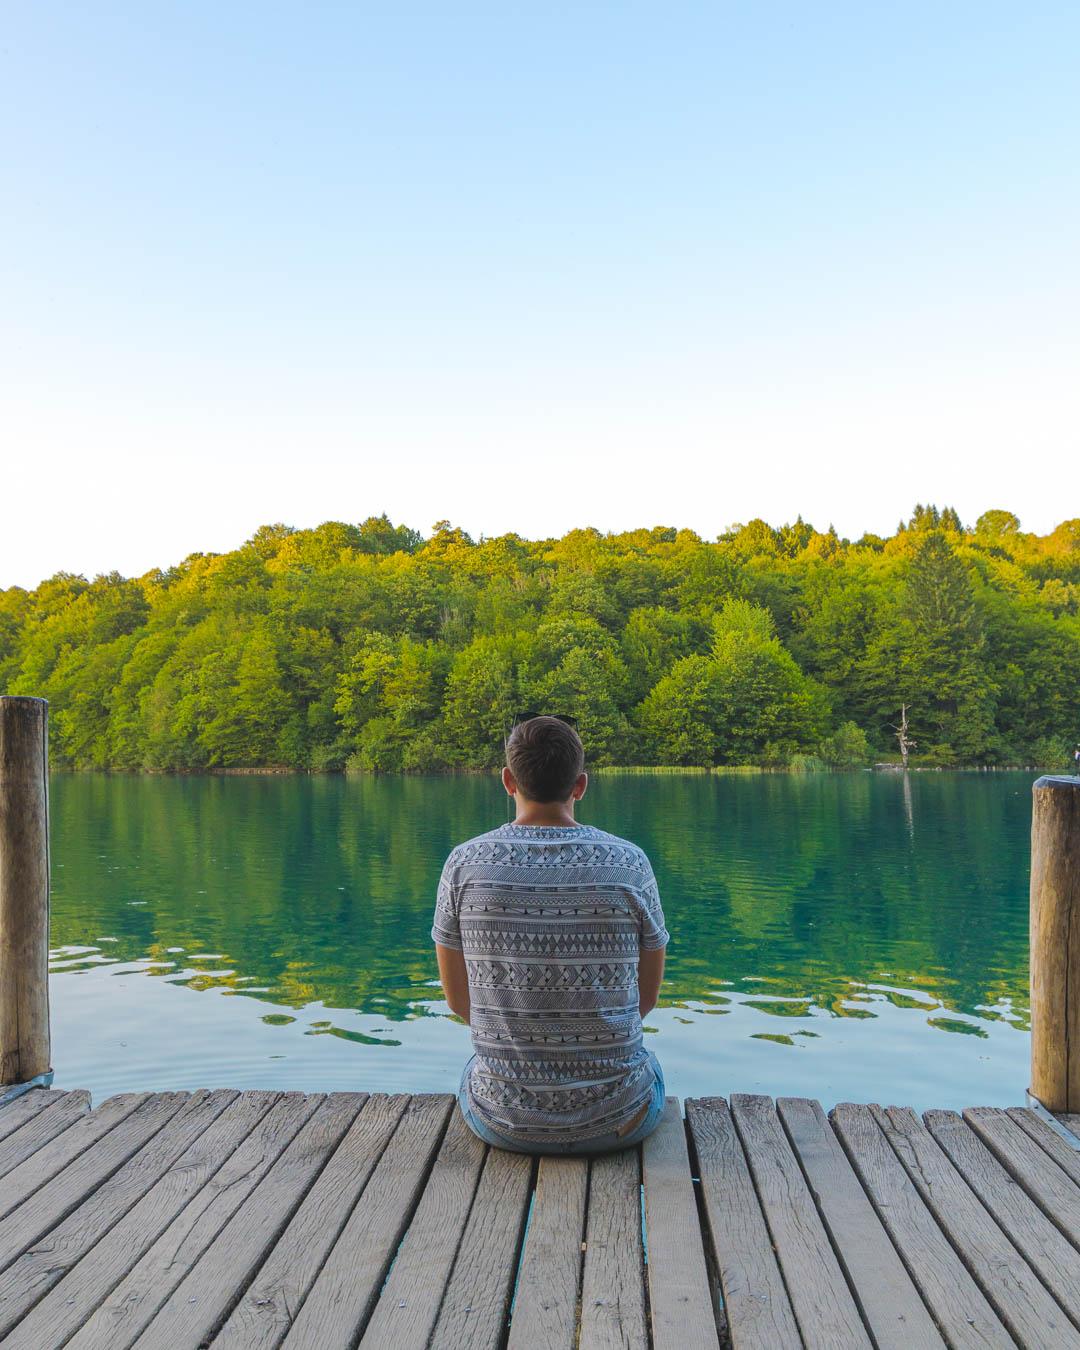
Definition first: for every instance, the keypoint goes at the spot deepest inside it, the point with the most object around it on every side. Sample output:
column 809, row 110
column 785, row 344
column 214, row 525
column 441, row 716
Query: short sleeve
column 654, row 933
column 445, row 929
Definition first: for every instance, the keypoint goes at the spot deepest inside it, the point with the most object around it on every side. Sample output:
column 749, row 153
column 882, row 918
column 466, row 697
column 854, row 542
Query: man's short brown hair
column 546, row 757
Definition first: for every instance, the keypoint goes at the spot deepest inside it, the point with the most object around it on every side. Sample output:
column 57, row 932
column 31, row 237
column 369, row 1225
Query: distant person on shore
column 1076, row 760
column 550, row 940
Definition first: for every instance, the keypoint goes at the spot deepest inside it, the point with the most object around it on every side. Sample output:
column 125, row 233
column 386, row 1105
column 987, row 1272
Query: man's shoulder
column 632, row 853
column 589, row 845
column 470, row 850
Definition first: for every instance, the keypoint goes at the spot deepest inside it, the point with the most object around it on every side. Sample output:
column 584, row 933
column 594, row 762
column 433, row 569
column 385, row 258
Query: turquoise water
column 849, row 937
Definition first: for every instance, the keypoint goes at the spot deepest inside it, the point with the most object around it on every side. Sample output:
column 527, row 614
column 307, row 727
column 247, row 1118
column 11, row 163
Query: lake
column 844, row 936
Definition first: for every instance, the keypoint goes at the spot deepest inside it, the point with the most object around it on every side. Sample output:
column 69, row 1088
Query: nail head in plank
column 992, row 1223
column 545, row 1307
column 890, row 1303
column 820, row 1297
column 756, row 1301
column 613, row 1279
column 958, row 1305
column 680, row 1299
column 70, row 1304
column 336, row 1310
column 132, row 1304
column 409, row 1303
column 477, row 1301
column 28, row 1279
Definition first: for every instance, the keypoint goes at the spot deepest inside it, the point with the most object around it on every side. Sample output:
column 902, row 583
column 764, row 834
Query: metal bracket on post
column 41, row 1080
column 1050, row 1119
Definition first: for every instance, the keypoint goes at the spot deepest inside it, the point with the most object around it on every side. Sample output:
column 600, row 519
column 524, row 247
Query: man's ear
column 579, row 787
column 509, row 782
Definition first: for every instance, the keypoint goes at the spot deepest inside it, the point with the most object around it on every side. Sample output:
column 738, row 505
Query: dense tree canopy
column 371, row 647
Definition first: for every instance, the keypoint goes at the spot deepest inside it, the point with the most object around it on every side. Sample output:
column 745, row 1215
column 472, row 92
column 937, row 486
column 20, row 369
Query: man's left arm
column 654, row 939
column 455, row 979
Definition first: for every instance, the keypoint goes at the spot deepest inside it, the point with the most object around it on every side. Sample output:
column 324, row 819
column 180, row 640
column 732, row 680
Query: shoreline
column 599, row 771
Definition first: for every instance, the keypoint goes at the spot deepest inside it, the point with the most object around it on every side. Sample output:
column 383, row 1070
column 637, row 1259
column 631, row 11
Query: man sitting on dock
column 550, row 940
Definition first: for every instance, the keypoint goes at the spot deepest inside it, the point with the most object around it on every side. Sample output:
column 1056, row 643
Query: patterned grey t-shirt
column 551, row 919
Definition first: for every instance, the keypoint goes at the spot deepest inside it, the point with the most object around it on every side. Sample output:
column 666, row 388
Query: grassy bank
column 805, row 764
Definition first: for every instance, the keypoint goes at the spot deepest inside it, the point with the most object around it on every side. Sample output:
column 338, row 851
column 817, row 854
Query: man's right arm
column 446, row 934
column 650, row 973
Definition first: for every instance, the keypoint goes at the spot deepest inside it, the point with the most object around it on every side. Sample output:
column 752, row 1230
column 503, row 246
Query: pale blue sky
column 531, row 266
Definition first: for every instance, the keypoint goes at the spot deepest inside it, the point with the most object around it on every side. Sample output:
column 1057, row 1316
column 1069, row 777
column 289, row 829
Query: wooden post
column 1055, row 943
column 24, row 889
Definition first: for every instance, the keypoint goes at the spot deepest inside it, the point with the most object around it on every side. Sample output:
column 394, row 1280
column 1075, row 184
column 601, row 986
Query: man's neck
column 544, row 813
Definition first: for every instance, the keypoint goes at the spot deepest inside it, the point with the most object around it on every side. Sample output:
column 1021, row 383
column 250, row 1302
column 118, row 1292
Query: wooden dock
column 264, row 1218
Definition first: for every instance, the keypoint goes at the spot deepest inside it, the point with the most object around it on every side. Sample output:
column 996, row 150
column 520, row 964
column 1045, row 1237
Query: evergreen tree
column 932, row 657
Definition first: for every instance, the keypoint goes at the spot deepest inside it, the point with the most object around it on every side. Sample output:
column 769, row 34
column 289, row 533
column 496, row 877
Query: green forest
column 372, row 648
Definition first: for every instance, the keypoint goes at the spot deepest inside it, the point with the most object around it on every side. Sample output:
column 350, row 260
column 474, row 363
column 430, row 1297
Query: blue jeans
column 604, row 1143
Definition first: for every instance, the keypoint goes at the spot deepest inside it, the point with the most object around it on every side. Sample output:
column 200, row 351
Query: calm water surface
column 848, row 937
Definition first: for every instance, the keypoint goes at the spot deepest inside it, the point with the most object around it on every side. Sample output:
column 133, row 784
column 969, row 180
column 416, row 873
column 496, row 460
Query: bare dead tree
column 906, row 743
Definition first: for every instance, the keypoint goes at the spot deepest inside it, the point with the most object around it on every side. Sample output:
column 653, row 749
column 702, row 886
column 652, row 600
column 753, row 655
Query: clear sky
column 529, row 267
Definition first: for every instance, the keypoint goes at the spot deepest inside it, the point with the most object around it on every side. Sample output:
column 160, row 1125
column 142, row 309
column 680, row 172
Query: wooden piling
column 1055, row 943
column 24, row 889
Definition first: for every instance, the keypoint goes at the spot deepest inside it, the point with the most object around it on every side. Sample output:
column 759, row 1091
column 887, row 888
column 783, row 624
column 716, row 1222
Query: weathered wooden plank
column 1062, row 1152
column 55, row 1200
column 546, row 1303
column 820, row 1298
column 40, row 1127
column 477, row 1301
column 20, row 1109
column 202, row 1300
column 28, row 1279
column 758, row 1309
column 60, row 1152
column 408, row 1305
column 613, row 1279
column 680, row 1299
column 1071, row 1121
column 1008, row 1283
column 133, row 1303
column 70, row 1304
column 265, row 1313
column 890, row 1304
column 158, row 1202
column 336, row 1310
column 958, row 1305
column 1056, row 1193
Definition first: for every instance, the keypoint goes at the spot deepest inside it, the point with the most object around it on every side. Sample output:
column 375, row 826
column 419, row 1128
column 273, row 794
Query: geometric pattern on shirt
column 551, row 920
